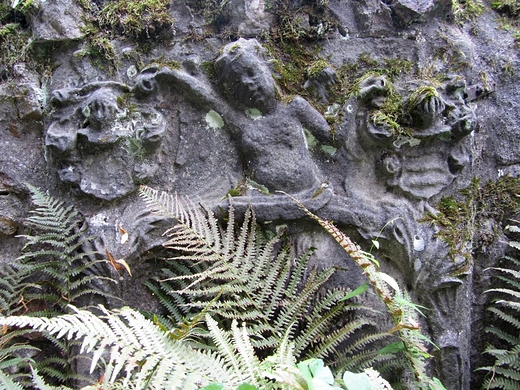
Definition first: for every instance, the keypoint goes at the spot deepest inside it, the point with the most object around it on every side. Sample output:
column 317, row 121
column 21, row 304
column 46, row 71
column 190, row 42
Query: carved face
column 101, row 109
column 246, row 79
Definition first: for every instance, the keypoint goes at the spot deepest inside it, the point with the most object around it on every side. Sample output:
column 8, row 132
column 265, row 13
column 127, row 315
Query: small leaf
column 513, row 228
column 213, row 386
column 359, row 381
column 396, row 347
column 117, row 264
column 390, row 281
column 318, row 376
column 214, row 120
column 247, row 386
column 358, row 291
column 436, row 384
column 514, row 244
column 124, row 234
column 254, row 113
column 125, row 266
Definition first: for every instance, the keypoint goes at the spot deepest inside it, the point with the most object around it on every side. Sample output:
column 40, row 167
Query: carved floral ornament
column 103, row 138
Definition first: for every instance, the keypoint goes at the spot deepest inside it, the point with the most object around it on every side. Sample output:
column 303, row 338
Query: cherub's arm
column 195, row 91
column 310, row 119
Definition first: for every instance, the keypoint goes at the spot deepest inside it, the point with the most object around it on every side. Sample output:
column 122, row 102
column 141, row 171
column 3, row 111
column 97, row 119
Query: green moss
column 162, row 62
column 366, row 61
column 209, row 68
column 139, row 19
column 465, row 10
column 423, row 93
column 85, row 4
column 317, row 67
column 461, row 218
column 14, row 39
column 509, row 8
column 214, row 12
column 25, row 6
column 99, row 48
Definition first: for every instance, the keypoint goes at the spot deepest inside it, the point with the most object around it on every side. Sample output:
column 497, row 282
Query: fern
column 52, row 272
column 140, row 355
column 257, row 283
column 505, row 312
column 53, row 255
column 402, row 311
column 136, row 348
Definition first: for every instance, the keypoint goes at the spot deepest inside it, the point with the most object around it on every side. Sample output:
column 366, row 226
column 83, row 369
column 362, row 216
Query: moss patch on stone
column 461, row 218
column 139, row 19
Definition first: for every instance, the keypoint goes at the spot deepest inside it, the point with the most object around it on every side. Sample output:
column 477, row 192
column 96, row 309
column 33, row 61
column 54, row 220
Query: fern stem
column 413, row 349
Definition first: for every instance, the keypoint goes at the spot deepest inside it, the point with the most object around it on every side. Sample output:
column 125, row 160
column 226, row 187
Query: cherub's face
column 248, row 82
column 100, row 144
column 255, row 84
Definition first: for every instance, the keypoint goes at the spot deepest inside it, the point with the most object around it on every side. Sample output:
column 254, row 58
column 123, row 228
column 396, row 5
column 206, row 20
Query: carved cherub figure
column 270, row 134
column 273, row 143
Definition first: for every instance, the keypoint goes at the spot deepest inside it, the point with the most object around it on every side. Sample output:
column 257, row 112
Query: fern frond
column 381, row 283
column 505, row 316
column 227, row 350
column 137, row 347
column 7, row 383
column 506, row 309
column 500, row 382
column 260, row 284
column 503, row 335
column 505, row 357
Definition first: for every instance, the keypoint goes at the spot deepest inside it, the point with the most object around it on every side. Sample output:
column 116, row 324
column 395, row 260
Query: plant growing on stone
column 14, row 36
column 141, row 355
column 238, row 275
column 505, row 328
column 137, row 19
column 460, row 216
column 53, row 272
column 464, row 11
column 401, row 310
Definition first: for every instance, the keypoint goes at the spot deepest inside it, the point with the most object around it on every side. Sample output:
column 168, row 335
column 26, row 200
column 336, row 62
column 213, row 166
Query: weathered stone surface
column 201, row 115
column 58, row 20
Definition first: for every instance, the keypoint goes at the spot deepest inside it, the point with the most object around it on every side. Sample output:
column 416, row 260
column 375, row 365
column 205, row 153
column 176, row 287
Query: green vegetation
column 505, row 321
column 461, row 217
column 509, row 8
column 140, row 20
column 466, row 10
column 293, row 20
column 510, row 13
column 239, row 312
column 399, row 307
column 99, row 48
column 295, row 63
column 14, row 35
column 214, row 12
column 52, row 273
column 147, row 22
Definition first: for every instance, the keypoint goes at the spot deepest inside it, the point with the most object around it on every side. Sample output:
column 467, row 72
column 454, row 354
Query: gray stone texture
column 91, row 137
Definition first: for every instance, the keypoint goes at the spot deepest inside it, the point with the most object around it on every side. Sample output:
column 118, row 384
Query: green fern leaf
column 265, row 287
column 137, row 347
column 7, row 383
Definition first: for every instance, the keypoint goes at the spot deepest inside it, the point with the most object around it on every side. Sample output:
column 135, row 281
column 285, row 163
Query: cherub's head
column 244, row 76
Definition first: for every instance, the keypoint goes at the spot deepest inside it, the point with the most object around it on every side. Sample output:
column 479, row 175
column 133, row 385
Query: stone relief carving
column 106, row 138
column 397, row 175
